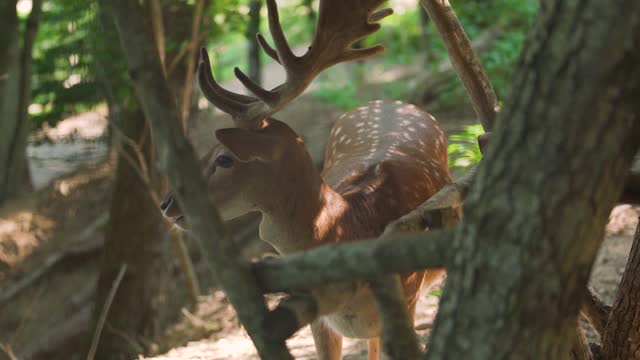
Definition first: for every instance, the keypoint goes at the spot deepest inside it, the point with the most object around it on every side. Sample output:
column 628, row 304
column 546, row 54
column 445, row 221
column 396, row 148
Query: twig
column 6, row 348
column 595, row 310
column 183, row 50
column 399, row 340
column 581, row 349
column 105, row 311
column 188, row 77
column 140, row 168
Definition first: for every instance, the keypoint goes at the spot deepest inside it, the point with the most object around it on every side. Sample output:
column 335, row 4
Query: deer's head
column 249, row 170
column 255, row 160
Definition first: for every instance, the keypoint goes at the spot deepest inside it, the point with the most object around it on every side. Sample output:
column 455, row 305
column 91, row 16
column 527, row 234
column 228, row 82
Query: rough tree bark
column 136, row 235
column 535, row 215
column 621, row 338
column 178, row 157
column 253, row 55
column 15, row 98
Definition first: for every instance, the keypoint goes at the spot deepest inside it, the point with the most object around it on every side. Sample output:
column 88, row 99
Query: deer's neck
column 307, row 218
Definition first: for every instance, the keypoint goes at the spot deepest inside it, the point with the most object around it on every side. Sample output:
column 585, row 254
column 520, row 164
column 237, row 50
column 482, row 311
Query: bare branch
column 581, row 349
column 594, row 310
column 105, row 311
column 191, row 63
column 359, row 260
column 464, row 60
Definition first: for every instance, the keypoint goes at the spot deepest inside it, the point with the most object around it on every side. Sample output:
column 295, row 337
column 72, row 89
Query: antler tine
column 214, row 86
column 267, row 48
column 286, row 56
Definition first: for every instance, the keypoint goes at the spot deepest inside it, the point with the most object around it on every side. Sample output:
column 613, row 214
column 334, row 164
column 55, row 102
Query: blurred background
column 87, row 265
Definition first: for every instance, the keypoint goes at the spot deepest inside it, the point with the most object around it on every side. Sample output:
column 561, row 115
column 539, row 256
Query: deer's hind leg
column 328, row 342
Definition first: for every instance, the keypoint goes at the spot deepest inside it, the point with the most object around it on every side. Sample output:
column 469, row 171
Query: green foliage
column 343, row 96
column 64, row 78
column 463, row 147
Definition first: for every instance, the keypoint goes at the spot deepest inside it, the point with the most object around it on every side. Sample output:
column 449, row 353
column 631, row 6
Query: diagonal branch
column 596, row 311
column 178, row 159
column 464, row 60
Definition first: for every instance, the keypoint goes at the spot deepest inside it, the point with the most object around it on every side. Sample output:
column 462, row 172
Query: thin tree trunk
column 621, row 338
column 16, row 98
column 534, row 220
column 136, row 238
column 185, row 104
column 255, row 65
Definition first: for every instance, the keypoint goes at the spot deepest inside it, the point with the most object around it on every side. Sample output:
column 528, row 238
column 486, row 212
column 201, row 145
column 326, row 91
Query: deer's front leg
column 328, row 342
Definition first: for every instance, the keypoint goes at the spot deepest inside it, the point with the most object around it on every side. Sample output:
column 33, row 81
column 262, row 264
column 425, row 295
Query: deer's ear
column 249, row 145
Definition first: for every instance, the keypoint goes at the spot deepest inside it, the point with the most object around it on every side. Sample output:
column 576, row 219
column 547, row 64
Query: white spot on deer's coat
column 338, row 129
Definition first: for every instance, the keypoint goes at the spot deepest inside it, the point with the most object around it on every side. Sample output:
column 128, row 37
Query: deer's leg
column 328, row 342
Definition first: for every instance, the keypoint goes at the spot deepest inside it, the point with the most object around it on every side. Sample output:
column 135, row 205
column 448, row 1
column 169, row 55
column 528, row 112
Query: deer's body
column 382, row 160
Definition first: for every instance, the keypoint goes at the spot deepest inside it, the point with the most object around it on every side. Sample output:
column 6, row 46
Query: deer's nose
column 166, row 202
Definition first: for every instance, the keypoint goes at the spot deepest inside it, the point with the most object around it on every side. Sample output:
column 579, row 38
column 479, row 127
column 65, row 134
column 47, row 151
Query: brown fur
column 382, row 160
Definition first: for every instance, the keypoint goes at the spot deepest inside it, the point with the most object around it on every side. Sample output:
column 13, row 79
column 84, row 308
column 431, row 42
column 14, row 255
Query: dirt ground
column 50, row 244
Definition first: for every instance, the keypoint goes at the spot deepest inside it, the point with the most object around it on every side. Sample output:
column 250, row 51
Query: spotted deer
column 382, row 160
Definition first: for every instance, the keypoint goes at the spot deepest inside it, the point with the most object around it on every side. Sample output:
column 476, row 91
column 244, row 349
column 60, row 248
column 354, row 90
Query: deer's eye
column 224, row 161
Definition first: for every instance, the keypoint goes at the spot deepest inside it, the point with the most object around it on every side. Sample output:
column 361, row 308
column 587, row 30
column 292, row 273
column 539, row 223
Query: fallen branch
column 449, row 197
column 79, row 246
column 359, row 260
column 594, row 310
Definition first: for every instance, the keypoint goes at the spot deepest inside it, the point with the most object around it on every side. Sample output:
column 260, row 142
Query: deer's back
column 392, row 152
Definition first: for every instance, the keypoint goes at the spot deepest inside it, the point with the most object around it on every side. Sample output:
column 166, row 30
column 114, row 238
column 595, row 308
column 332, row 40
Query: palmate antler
column 340, row 24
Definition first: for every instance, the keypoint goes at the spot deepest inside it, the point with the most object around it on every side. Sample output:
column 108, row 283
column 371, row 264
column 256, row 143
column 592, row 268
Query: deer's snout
column 171, row 210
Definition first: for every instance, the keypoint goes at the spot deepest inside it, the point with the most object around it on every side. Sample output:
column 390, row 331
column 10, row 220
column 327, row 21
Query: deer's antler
column 340, row 24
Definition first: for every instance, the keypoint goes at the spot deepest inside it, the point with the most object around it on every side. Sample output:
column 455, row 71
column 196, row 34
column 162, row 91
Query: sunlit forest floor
column 50, row 244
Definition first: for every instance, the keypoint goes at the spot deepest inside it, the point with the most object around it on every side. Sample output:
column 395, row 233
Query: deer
column 382, row 160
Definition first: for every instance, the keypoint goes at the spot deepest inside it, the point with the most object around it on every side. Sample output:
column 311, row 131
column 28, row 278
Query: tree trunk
column 255, row 65
column 622, row 334
column 136, row 237
column 535, row 216
column 15, row 98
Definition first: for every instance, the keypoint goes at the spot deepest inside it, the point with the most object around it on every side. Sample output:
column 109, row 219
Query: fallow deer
column 382, row 160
